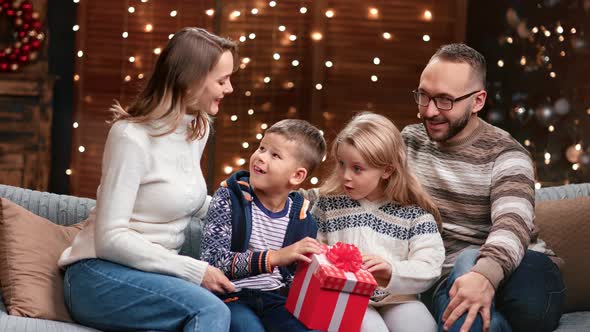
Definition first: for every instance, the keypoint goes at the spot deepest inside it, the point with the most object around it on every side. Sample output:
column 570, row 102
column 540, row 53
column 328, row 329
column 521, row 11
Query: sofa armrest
column 562, row 192
column 192, row 241
column 60, row 209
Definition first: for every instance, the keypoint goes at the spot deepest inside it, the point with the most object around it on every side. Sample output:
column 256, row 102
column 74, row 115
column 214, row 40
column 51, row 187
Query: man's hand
column 379, row 268
column 295, row 252
column 471, row 293
column 215, row 281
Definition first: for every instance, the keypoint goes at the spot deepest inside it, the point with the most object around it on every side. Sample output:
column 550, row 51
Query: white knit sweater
column 150, row 187
column 405, row 236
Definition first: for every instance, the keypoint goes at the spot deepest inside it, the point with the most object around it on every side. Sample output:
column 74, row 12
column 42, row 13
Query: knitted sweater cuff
column 489, row 269
column 193, row 270
column 259, row 263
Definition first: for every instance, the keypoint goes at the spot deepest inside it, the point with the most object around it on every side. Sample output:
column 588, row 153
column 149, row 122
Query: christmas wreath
column 28, row 34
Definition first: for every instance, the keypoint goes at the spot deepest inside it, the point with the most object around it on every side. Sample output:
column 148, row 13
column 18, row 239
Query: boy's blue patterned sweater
column 228, row 227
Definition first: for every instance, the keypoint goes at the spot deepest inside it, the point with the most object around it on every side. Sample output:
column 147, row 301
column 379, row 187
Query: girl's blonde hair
column 180, row 71
column 381, row 145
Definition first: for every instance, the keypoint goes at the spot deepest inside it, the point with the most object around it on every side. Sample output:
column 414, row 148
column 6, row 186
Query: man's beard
column 455, row 127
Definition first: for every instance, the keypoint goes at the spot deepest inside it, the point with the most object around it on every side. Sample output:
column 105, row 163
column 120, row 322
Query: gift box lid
column 340, row 270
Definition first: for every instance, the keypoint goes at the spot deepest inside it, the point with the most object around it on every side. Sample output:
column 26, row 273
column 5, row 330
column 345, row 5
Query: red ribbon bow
column 345, row 256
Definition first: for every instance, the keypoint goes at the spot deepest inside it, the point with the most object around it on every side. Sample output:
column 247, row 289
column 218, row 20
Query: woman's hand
column 379, row 268
column 215, row 281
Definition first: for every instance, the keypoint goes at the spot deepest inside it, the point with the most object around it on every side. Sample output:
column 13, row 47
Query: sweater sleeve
column 125, row 162
column 512, row 200
column 216, row 242
column 425, row 258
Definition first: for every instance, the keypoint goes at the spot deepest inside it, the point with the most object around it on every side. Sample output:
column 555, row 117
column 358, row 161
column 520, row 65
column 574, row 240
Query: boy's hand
column 295, row 252
column 215, row 281
column 379, row 267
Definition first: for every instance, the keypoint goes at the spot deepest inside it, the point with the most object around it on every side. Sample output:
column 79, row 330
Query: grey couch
column 67, row 210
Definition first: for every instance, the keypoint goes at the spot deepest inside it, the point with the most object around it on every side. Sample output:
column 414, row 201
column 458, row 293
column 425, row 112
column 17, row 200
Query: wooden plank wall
column 351, row 39
column 104, row 66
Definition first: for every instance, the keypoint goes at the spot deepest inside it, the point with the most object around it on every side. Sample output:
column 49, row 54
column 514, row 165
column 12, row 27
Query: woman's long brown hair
column 180, row 72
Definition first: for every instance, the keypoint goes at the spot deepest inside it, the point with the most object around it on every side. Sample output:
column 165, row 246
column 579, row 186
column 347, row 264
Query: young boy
column 257, row 227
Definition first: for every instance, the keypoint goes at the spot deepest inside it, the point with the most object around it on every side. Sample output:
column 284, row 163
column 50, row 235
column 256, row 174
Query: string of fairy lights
column 284, row 36
column 373, row 13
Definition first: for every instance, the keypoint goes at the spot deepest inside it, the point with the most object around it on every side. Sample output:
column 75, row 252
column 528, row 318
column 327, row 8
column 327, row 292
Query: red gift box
column 331, row 293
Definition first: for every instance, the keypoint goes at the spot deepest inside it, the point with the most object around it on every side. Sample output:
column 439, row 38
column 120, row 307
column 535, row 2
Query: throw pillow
column 30, row 280
column 565, row 225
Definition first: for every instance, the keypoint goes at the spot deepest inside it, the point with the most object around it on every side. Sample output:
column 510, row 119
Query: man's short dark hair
column 461, row 53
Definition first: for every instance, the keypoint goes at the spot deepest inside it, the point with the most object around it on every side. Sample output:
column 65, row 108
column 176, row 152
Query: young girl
column 373, row 201
column 123, row 270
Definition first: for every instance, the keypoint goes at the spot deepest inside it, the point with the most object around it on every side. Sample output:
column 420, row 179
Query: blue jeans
column 113, row 297
column 531, row 299
column 255, row 310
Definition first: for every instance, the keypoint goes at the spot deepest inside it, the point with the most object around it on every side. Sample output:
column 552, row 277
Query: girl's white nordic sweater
column 405, row 236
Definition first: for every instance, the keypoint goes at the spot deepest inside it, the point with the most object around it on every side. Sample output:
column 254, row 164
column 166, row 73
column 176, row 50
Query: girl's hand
column 379, row 268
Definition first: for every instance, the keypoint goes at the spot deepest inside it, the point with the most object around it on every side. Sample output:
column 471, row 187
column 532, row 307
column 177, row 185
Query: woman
column 123, row 270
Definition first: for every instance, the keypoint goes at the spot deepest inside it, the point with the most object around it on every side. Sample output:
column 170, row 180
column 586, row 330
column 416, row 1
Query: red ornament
column 26, row 6
column 26, row 24
column 27, row 17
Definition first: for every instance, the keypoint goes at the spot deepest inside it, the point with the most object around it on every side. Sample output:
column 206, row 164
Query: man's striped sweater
column 484, row 188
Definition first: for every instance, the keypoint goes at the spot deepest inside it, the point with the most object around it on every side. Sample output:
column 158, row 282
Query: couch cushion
column 21, row 324
column 565, row 226
column 574, row 322
column 31, row 282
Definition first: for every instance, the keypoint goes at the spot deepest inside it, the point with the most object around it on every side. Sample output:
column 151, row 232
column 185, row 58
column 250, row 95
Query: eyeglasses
column 441, row 103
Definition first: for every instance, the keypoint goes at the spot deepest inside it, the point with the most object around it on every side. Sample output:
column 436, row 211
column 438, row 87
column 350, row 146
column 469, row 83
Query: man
column 483, row 183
